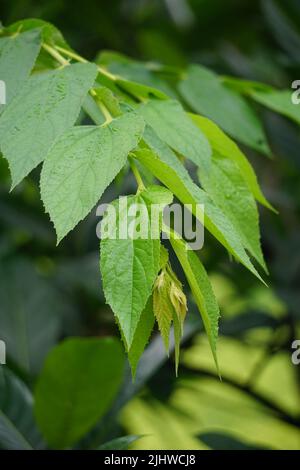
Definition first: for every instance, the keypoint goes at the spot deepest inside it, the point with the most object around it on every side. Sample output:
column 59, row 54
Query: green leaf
column 120, row 443
column 159, row 195
column 141, row 336
column 201, row 290
column 162, row 162
column 17, row 56
column 279, row 101
column 91, row 108
column 227, row 441
column 228, row 189
column 222, row 144
column 129, row 265
column 80, row 379
column 205, row 93
column 29, row 335
column 139, row 90
column 18, row 430
column 10, row 437
column 243, row 86
column 47, row 105
column 80, row 166
column 174, row 127
column 133, row 70
column 50, row 33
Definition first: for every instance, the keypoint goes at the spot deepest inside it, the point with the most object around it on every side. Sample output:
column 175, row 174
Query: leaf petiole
column 79, row 58
column 56, row 55
column 136, row 174
column 103, row 108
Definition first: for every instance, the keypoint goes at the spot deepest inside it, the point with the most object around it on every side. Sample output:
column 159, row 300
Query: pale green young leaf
column 179, row 303
column 47, row 105
column 162, row 162
column 205, row 93
column 222, row 144
column 155, row 194
column 201, row 290
column 228, row 189
column 176, row 129
column 169, row 306
column 80, row 166
column 162, row 306
column 164, row 257
column 177, row 332
column 141, row 336
column 17, row 56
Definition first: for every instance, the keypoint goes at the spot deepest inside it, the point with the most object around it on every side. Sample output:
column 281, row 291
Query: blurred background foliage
column 49, row 293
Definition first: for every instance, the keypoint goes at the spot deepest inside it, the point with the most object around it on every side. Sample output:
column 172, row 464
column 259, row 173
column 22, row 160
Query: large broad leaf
column 47, row 105
column 222, row 144
column 31, row 314
column 17, row 57
column 162, row 162
column 206, row 94
column 228, row 189
column 18, row 430
column 130, row 258
column 80, row 379
column 174, row 127
column 80, row 166
column 201, row 289
column 50, row 35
